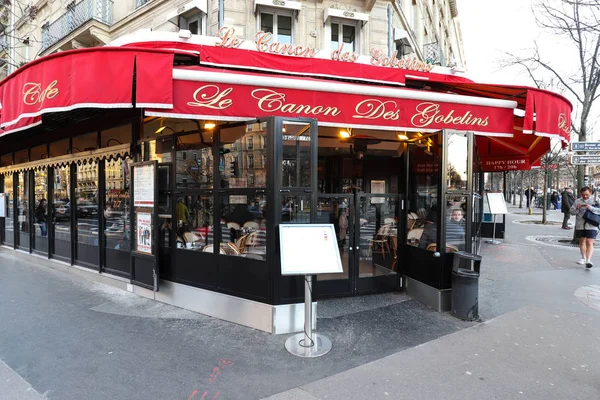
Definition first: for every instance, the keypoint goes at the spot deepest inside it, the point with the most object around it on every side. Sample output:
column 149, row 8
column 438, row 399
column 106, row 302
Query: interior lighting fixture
column 209, row 125
column 402, row 136
column 345, row 133
column 283, row 129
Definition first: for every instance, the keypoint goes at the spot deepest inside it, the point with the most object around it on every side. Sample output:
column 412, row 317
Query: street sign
column 585, row 159
column 585, row 146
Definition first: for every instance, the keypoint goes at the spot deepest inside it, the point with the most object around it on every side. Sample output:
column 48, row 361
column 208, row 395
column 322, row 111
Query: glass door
column 61, row 213
column 40, row 215
column 9, row 221
column 23, row 211
column 377, row 237
column 339, row 210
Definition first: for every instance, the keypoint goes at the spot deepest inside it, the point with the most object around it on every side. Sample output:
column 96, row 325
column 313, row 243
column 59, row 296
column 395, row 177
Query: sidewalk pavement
column 65, row 338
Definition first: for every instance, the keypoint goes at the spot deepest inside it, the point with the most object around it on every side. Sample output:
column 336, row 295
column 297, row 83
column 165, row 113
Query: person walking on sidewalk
column 584, row 231
column 565, row 207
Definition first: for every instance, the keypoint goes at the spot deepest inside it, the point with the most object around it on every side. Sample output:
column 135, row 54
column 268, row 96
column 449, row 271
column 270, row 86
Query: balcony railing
column 82, row 12
column 139, row 3
column 434, row 54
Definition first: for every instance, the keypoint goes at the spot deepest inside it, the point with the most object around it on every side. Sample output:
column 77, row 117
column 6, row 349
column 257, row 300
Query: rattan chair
column 380, row 241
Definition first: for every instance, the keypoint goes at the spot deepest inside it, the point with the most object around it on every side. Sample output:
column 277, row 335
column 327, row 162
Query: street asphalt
column 63, row 337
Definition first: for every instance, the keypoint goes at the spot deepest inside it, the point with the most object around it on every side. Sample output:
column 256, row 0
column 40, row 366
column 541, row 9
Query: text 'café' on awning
column 171, row 162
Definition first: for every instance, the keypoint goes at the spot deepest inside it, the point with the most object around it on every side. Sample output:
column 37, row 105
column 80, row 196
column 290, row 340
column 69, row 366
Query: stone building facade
column 428, row 30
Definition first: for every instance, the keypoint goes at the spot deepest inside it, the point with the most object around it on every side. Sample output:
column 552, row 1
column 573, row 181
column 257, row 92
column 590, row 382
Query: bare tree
column 579, row 22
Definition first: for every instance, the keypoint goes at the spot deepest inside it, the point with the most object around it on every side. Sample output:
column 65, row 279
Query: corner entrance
column 359, row 176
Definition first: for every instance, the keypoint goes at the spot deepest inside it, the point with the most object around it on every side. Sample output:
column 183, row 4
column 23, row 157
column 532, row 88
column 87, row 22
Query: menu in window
column 144, row 233
column 143, row 186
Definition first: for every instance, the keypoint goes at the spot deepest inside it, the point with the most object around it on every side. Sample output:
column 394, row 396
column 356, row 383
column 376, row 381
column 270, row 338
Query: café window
column 236, row 161
column 244, row 218
column 279, row 23
column 194, row 172
column 39, row 152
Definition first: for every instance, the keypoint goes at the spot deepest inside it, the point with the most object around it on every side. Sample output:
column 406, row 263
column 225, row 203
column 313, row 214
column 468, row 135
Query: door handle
column 350, row 248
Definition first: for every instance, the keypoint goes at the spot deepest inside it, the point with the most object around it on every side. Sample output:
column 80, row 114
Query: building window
column 194, row 22
column 279, row 24
column 139, row 3
column 343, row 33
column 250, row 143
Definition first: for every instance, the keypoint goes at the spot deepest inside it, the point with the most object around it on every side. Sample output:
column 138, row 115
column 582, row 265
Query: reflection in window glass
column 159, row 150
column 456, row 173
column 456, row 223
column 295, row 209
column 117, row 205
column 9, row 233
column 194, row 161
column 296, row 168
column 62, row 212
column 284, row 29
column 86, row 201
column 195, row 225
column 40, row 220
column 423, row 195
column 245, row 232
column 85, row 142
column 266, row 22
column 23, row 209
column 243, row 156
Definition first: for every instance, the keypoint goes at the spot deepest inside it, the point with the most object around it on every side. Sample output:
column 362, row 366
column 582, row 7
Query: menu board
column 308, row 249
column 496, row 203
column 143, row 186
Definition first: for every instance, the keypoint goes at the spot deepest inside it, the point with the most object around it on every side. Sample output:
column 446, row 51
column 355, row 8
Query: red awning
column 87, row 78
column 546, row 113
column 208, row 93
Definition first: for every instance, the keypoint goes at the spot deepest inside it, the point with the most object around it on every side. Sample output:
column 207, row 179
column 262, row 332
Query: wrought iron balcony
column 77, row 15
column 434, row 54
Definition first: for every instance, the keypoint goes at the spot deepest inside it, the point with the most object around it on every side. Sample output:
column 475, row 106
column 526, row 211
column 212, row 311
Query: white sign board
column 496, row 203
column 3, row 205
column 308, row 249
column 143, row 186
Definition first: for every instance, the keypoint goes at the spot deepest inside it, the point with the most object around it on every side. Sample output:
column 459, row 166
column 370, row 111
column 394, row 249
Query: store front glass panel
column 423, row 204
column 23, row 216
column 157, row 150
column 61, row 202
column 86, row 214
column 40, row 221
column 295, row 209
column 9, row 222
column 245, row 229
column 243, row 157
column 457, row 167
column 194, row 161
column 296, row 163
column 195, row 222
column 456, row 223
column 117, row 232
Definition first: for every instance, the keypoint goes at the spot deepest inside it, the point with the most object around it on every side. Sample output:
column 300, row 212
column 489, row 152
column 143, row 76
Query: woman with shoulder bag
column 585, row 231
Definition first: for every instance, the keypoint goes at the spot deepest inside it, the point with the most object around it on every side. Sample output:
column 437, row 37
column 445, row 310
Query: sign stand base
column 494, row 241
column 308, row 344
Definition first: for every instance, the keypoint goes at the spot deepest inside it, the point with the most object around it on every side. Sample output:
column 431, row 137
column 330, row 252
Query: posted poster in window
column 143, row 186
column 377, row 187
column 144, row 233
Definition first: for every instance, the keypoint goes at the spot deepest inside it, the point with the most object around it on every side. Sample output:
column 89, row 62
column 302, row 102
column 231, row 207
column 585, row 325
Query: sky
column 492, row 28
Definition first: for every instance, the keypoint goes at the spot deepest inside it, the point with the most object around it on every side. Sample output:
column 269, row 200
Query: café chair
column 449, row 248
column 414, row 236
column 252, row 225
column 380, row 241
column 389, row 221
column 211, row 249
column 411, row 222
column 241, row 243
column 190, row 237
column 234, row 225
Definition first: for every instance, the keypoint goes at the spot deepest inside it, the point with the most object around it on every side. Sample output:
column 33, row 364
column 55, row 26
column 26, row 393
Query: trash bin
column 465, row 286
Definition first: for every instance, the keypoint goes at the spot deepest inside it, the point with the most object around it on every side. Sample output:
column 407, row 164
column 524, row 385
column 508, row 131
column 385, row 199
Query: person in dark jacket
column 554, row 200
column 567, row 199
column 40, row 217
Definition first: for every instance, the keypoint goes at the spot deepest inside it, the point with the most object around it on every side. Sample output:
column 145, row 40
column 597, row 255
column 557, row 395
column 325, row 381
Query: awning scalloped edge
column 85, row 157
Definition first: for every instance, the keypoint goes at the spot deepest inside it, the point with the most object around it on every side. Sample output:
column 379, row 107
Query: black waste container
column 465, row 286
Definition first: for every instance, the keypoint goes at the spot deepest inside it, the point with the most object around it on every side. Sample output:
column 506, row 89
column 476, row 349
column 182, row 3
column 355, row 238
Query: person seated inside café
column 456, row 216
column 455, row 233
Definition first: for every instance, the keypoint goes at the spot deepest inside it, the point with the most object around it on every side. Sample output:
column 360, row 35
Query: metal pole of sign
column 308, row 344
column 494, row 241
